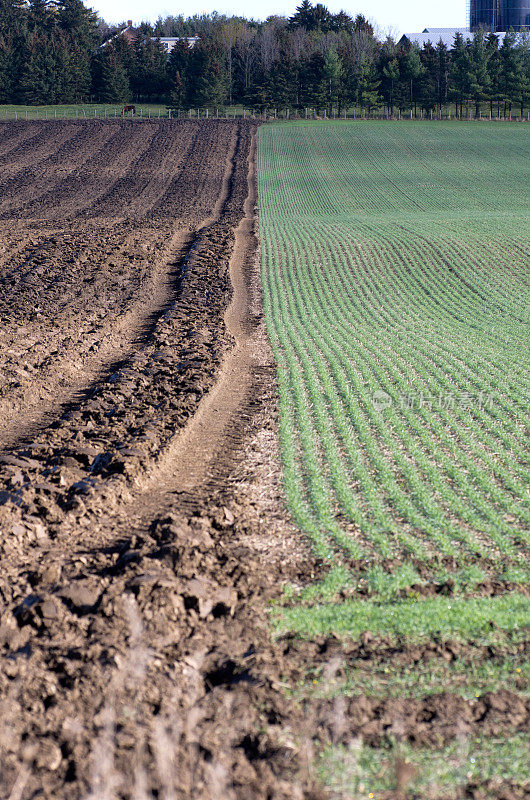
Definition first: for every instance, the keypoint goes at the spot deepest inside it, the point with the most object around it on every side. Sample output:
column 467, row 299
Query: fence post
column 169, row 113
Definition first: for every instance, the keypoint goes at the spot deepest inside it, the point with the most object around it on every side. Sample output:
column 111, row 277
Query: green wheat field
column 396, row 274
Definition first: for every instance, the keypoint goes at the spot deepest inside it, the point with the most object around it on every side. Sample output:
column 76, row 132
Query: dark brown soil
column 143, row 531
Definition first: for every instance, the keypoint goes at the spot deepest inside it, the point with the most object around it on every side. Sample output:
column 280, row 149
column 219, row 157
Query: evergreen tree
column 333, row 75
column 40, row 16
column 177, row 95
column 479, row 80
column 428, row 83
column 367, row 84
column 41, row 78
column 442, row 74
column 361, row 25
column 79, row 25
column 314, row 89
column 411, row 71
column 207, row 76
column 388, row 68
column 149, row 77
column 494, row 72
column 176, row 75
column 510, row 76
column 460, row 76
column 13, row 34
column 111, row 78
column 523, row 50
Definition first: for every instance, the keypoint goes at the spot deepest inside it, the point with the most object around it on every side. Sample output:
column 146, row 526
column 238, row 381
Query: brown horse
column 126, row 109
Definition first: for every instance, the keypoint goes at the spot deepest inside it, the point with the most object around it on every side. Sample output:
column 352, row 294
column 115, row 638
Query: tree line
column 51, row 52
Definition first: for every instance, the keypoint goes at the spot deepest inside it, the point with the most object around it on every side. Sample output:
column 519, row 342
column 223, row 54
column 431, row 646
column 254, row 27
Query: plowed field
column 136, row 458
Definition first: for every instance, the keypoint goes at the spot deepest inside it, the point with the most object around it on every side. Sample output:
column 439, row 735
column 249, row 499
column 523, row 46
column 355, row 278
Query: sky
column 407, row 16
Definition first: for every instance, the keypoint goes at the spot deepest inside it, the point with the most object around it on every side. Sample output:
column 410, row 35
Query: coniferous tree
column 333, row 75
column 79, row 26
column 459, row 73
column 40, row 16
column 411, row 71
column 510, row 72
column 523, row 85
column 13, row 34
column 314, row 90
column 388, row 68
column 149, row 76
column 428, row 82
column 479, row 80
column 110, row 77
column 442, row 74
column 367, row 84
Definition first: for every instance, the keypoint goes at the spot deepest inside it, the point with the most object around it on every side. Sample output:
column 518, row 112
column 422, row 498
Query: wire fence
column 140, row 113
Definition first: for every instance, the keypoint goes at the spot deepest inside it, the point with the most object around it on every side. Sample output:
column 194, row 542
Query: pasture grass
column 89, row 110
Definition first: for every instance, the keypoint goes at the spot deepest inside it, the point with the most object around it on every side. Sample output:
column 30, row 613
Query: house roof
column 168, row 42
column 447, row 35
column 128, row 33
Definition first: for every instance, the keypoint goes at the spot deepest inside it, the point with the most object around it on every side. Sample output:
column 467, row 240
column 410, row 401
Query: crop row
column 396, row 292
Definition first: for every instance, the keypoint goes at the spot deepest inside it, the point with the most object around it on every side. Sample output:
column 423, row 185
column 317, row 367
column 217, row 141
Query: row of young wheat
column 395, row 274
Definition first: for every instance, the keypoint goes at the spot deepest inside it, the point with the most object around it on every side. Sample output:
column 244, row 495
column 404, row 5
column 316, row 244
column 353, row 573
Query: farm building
column 446, row 35
column 130, row 33
column 497, row 16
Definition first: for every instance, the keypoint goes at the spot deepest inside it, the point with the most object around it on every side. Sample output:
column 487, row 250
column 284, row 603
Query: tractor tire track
column 66, row 382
